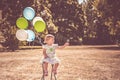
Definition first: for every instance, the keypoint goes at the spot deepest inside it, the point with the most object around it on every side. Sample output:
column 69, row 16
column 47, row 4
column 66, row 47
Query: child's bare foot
column 55, row 72
column 45, row 73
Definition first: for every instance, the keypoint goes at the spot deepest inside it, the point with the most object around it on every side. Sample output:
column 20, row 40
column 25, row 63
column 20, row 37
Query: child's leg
column 45, row 66
column 55, row 68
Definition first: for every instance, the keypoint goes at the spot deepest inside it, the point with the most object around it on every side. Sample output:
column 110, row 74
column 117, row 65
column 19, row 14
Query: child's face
column 50, row 41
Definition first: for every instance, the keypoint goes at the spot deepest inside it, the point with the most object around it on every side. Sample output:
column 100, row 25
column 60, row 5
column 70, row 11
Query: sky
column 81, row 1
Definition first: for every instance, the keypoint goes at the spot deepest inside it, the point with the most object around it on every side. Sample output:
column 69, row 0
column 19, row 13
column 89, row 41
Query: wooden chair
column 52, row 74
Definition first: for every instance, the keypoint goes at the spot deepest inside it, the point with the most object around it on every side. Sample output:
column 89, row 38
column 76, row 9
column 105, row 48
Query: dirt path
column 77, row 63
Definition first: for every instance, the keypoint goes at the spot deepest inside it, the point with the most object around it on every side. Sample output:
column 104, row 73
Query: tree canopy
column 91, row 22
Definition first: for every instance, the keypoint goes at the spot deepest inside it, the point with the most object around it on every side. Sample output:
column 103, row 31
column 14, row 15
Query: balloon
column 37, row 19
column 29, row 13
column 22, row 23
column 40, row 26
column 21, row 35
column 31, row 35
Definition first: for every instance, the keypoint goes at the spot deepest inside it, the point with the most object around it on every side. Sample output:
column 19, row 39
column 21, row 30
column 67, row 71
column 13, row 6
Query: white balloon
column 21, row 35
column 37, row 19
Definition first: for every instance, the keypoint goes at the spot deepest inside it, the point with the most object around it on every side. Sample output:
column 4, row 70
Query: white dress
column 50, row 51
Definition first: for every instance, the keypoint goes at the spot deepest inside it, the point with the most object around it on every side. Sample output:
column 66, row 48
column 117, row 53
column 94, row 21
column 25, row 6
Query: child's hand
column 66, row 44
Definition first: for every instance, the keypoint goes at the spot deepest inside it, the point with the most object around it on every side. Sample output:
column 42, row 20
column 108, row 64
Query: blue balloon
column 29, row 13
column 31, row 35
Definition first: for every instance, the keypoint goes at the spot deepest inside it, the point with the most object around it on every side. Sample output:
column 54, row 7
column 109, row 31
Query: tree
column 93, row 21
column 12, row 10
column 102, row 20
column 68, row 16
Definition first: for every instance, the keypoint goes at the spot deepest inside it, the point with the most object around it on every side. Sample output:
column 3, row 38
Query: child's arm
column 44, row 53
column 61, row 47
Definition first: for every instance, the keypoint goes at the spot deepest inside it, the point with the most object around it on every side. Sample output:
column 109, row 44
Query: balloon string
column 40, row 41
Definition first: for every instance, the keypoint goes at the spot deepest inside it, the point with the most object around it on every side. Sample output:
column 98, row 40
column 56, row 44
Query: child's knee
column 57, row 63
column 45, row 63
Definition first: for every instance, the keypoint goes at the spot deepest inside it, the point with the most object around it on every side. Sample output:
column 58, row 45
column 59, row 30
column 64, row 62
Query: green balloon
column 22, row 23
column 40, row 26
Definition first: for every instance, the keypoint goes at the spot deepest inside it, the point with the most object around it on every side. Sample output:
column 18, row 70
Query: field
column 77, row 63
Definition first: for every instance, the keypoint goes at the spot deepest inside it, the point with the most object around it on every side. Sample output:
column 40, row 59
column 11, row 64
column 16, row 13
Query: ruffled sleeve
column 55, row 45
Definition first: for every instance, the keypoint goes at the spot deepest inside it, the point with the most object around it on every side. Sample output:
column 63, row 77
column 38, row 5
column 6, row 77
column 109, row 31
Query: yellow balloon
column 40, row 26
column 22, row 23
column 37, row 19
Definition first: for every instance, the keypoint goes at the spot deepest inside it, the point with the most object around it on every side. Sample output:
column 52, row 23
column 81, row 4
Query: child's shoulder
column 44, row 46
column 55, row 45
column 47, row 46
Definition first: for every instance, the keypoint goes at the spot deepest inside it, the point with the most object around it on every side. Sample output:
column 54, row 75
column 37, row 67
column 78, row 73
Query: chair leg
column 51, row 72
column 55, row 77
column 43, row 78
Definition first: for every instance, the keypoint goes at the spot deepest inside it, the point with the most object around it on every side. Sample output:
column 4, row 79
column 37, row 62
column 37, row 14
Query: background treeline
column 92, row 22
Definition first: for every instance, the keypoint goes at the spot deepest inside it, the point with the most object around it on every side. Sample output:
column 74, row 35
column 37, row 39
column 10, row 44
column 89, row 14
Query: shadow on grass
column 7, row 50
column 21, row 48
column 84, row 47
column 91, row 47
column 109, row 48
column 117, row 56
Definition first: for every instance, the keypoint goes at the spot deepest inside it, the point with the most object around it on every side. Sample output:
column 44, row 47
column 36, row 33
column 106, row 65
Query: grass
column 77, row 63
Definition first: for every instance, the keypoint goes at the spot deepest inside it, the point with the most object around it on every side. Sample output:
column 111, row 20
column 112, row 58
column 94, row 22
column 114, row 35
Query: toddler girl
column 50, row 55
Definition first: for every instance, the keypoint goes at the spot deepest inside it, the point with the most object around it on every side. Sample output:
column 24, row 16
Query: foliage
column 102, row 20
column 67, row 15
column 93, row 21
